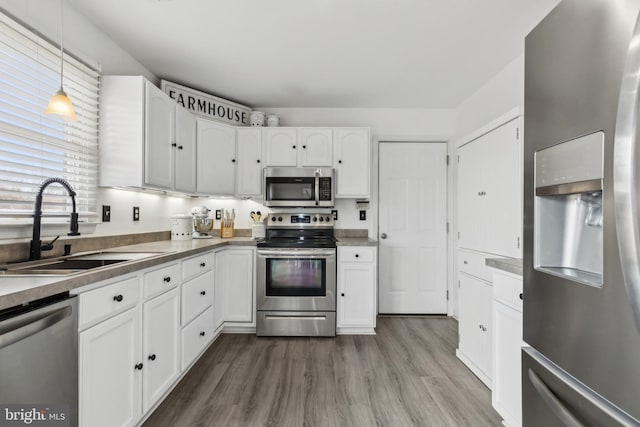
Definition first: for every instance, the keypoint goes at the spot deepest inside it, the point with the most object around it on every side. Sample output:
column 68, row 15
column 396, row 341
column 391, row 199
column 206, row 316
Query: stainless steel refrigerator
column 581, row 216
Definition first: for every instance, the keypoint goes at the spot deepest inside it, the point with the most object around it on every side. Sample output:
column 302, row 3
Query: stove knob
column 315, row 219
column 321, row 219
column 273, row 219
column 327, row 219
column 279, row 219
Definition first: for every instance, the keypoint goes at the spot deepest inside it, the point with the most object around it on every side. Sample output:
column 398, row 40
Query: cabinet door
column 249, row 168
column 485, row 304
column 470, row 198
column 216, row 164
column 315, row 147
column 110, row 384
column 356, row 295
column 352, row 161
column 506, row 391
column 469, row 318
column 235, row 269
column 218, row 292
column 185, row 151
column 503, row 188
column 161, row 332
column 158, row 137
column 280, row 147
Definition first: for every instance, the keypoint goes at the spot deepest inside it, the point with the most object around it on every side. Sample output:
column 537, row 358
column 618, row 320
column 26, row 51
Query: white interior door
column 412, row 228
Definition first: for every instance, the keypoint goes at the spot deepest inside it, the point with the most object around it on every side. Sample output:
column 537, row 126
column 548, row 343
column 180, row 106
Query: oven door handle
column 283, row 253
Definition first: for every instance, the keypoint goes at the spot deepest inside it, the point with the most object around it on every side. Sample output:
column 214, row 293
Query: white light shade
column 60, row 104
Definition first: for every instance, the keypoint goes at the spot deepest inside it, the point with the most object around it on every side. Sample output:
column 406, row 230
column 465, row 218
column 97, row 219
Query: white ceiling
column 323, row 53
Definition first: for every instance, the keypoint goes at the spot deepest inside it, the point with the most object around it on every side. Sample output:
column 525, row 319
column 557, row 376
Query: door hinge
column 447, row 295
column 447, row 227
column 458, row 235
column 518, row 242
column 447, row 160
column 458, row 283
column 517, row 133
column 458, row 159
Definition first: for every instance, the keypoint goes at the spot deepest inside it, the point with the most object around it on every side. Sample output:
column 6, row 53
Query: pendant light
column 60, row 104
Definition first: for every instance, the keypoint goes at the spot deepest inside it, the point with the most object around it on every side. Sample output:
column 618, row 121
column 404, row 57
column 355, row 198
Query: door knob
column 383, row 236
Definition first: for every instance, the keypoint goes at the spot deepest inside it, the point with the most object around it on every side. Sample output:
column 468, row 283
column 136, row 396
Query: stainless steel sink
column 64, row 266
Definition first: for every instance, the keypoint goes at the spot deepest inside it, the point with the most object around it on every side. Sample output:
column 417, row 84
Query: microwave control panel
column 324, row 188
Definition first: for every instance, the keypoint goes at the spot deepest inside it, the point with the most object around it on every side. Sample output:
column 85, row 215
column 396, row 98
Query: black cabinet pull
column 339, row 161
column 203, row 292
column 180, row 147
column 342, row 294
column 202, row 264
column 520, row 295
column 294, row 147
column 258, row 161
column 152, row 357
column 233, row 160
column 202, row 334
column 304, row 146
column 118, row 298
column 174, row 144
column 357, row 256
column 167, row 279
column 139, row 366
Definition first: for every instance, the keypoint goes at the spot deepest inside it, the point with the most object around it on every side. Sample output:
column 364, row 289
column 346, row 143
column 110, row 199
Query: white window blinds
column 35, row 146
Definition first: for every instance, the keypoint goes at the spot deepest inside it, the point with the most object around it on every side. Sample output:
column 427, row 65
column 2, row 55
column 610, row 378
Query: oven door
column 296, row 279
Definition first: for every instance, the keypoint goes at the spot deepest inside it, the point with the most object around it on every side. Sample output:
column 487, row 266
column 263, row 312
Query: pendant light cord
column 61, row 41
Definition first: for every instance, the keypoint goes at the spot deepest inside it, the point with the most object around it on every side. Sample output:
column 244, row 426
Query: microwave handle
column 317, row 189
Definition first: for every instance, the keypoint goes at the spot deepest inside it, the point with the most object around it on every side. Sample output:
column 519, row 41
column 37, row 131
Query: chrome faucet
column 36, row 246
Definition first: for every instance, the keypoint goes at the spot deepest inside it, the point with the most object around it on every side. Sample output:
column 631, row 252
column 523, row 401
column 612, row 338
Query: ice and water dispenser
column 568, row 209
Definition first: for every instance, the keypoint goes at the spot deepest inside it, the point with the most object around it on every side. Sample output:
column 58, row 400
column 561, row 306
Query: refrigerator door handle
column 625, row 174
column 553, row 402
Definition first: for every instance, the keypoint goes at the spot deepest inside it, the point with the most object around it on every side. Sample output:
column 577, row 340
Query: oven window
column 296, row 277
column 290, row 189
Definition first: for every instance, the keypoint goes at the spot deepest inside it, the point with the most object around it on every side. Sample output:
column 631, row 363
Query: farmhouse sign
column 206, row 105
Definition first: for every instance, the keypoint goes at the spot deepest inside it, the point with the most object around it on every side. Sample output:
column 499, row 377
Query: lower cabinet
column 196, row 336
column 506, row 395
column 356, row 290
column 110, row 383
column 474, row 325
column 235, row 273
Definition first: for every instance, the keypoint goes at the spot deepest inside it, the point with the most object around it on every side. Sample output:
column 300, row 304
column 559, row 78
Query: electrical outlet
column 363, row 215
column 218, row 213
column 136, row 213
column 106, row 213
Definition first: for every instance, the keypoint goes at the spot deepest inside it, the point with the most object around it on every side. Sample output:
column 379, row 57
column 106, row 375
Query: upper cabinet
column 352, row 162
column 490, row 192
column 216, row 166
column 146, row 139
column 298, row 147
column 249, row 162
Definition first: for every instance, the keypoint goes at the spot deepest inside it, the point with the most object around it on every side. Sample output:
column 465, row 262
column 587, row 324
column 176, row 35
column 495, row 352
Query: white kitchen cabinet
column 196, row 336
column 315, row 147
column 249, row 162
column 234, row 270
column 161, row 356
column 356, row 290
column 110, row 382
column 506, row 395
column 490, row 192
column 474, row 322
column 197, row 296
column 280, row 146
column 216, row 162
column 352, row 162
column 141, row 129
column 218, row 303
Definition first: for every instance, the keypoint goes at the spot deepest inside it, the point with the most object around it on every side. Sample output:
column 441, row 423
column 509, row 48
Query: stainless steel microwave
column 298, row 187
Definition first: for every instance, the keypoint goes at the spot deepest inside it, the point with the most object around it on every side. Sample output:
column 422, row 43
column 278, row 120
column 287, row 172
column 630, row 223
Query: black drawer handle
column 203, row 293
column 339, row 161
column 304, row 147
column 258, row 161
column 167, row 279
column 139, row 366
column 233, row 160
column 202, row 333
column 520, row 295
column 342, row 294
column 152, row 357
column 118, row 298
column 180, row 147
column 294, row 147
column 357, row 256
column 203, row 264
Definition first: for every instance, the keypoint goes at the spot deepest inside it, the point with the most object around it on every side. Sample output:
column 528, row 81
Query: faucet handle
column 49, row 246
column 73, row 227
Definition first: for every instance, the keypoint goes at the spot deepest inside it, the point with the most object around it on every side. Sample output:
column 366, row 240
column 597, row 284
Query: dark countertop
column 510, row 265
column 16, row 290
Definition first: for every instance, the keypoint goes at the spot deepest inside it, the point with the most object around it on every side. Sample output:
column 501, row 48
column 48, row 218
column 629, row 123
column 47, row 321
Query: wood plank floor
column 406, row 375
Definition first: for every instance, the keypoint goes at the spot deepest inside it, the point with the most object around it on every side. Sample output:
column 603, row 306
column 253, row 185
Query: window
column 35, row 146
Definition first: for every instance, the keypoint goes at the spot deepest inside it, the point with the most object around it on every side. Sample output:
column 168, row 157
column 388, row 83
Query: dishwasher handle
column 34, row 326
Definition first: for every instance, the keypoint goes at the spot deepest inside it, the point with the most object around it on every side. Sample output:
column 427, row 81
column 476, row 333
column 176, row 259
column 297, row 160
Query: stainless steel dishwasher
column 39, row 361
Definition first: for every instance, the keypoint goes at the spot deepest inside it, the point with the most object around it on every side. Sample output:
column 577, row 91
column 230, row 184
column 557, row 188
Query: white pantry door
column 412, row 228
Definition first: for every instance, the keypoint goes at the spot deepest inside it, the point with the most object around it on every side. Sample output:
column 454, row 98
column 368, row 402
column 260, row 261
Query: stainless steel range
column 296, row 276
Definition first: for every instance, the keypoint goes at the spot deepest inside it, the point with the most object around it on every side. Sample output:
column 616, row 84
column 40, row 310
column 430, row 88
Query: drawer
column 161, row 279
column 197, row 265
column 473, row 263
column 507, row 289
column 197, row 295
column 196, row 336
column 102, row 303
column 356, row 254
